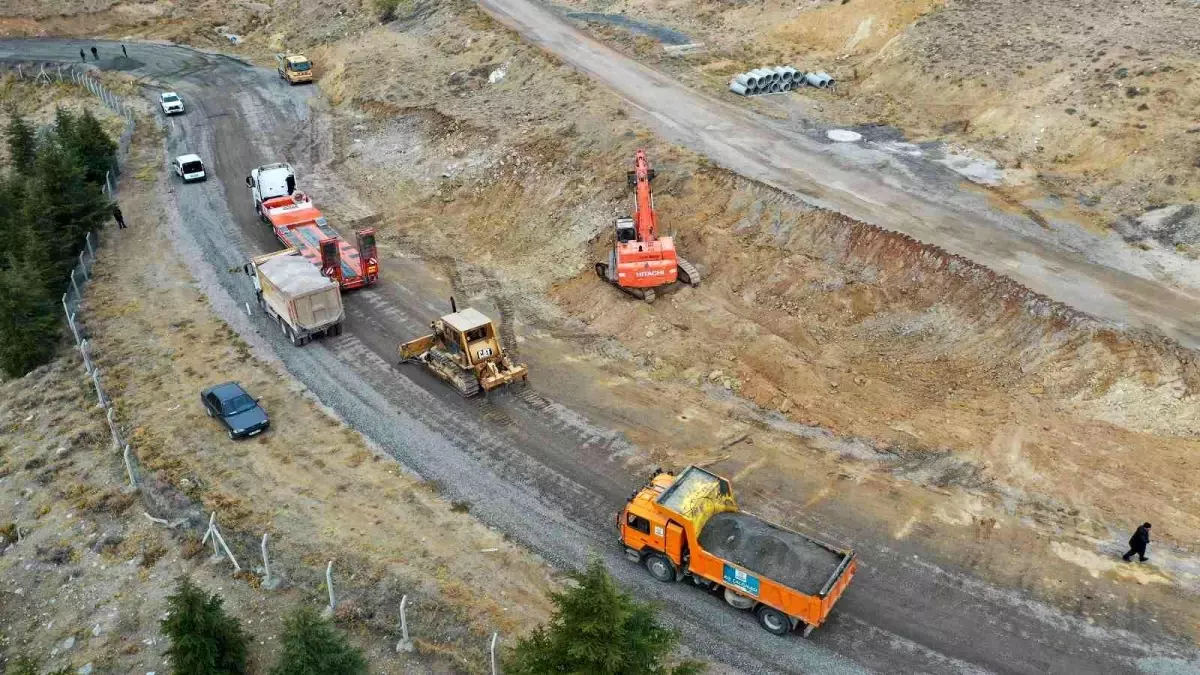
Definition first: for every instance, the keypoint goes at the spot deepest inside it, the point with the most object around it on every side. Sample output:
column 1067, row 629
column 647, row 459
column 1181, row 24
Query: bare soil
column 824, row 365
column 319, row 490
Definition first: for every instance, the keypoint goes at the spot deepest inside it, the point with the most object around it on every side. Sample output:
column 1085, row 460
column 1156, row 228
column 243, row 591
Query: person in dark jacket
column 118, row 217
column 1138, row 543
column 95, row 54
column 83, row 56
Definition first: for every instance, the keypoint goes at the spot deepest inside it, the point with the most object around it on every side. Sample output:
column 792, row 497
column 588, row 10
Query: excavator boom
column 645, row 220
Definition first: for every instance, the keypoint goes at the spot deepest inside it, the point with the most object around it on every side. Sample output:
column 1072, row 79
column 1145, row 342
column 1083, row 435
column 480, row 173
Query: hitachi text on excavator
column 641, row 260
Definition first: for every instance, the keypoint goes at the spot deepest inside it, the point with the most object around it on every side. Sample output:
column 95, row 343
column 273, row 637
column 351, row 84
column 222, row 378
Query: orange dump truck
column 689, row 526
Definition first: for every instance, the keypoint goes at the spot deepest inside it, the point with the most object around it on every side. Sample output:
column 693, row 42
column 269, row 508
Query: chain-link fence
column 82, row 76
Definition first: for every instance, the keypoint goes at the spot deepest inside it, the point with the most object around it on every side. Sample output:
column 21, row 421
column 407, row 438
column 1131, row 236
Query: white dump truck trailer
column 292, row 291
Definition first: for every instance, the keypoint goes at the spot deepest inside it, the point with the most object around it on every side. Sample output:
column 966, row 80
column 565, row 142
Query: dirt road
column 1100, row 276
column 551, row 477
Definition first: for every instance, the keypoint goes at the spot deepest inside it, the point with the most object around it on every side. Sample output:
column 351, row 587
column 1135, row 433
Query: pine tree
column 22, row 144
column 61, row 205
column 598, row 629
column 29, row 315
column 64, row 122
column 95, row 150
column 204, row 640
column 313, row 646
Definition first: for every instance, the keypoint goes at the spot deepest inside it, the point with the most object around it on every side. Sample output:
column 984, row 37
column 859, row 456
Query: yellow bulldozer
column 465, row 351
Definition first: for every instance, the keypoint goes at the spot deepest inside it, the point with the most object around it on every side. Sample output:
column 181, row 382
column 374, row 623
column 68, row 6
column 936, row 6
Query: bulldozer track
column 490, row 412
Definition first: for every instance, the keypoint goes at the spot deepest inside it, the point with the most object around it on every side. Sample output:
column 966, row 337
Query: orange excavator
column 640, row 260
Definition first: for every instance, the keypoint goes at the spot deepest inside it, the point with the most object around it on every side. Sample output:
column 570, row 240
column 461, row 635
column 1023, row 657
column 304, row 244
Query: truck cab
column 295, row 68
column 270, row 181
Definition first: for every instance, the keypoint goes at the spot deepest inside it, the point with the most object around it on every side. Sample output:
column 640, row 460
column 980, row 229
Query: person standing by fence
column 118, row 217
column 95, row 54
column 124, row 52
column 83, row 56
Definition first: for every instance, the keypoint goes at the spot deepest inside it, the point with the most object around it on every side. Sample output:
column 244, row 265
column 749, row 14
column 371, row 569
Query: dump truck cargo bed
column 787, row 557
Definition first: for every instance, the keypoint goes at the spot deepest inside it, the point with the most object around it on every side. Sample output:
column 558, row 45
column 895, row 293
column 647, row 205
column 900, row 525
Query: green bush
column 386, row 9
column 204, row 639
column 598, row 629
column 313, row 646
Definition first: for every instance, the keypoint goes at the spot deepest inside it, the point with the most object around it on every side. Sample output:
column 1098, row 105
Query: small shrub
column 312, row 646
column 385, row 10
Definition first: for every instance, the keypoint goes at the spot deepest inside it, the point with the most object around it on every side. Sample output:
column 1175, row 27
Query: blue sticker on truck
column 743, row 581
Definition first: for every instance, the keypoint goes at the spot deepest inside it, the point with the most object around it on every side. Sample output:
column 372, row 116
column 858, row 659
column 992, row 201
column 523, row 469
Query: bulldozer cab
column 471, row 336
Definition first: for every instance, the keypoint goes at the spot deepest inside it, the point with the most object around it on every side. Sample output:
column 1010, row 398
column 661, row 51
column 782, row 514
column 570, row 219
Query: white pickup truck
column 170, row 102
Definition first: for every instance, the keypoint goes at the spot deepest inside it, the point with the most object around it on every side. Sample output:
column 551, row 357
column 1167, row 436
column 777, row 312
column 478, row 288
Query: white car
column 188, row 167
column 170, row 102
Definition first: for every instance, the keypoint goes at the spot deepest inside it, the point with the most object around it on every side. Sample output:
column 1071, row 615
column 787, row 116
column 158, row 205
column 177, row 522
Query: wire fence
column 82, row 76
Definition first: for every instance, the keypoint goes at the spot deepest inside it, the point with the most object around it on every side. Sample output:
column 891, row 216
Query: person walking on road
column 1138, row 543
column 124, row 52
column 118, row 217
column 83, row 56
column 95, row 54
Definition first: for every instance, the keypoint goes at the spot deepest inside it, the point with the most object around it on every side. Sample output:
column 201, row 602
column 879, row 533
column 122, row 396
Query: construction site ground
column 985, row 450
column 92, row 571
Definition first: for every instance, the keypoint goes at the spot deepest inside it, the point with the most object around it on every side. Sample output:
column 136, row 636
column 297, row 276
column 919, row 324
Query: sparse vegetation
column 386, row 9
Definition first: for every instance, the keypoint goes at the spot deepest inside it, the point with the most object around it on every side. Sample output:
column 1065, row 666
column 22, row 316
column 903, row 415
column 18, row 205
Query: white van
column 188, row 167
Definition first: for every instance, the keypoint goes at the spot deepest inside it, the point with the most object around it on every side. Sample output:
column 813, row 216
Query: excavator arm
column 645, row 220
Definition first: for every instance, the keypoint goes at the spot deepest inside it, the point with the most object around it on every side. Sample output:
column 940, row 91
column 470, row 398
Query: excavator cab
column 626, row 232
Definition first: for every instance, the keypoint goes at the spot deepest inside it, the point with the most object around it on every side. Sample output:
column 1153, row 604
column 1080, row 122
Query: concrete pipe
column 787, row 86
column 819, row 79
column 776, row 87
column 785, row 76
column 794, row 75
column 738, row 88
column 746, row 80
column 764, row 75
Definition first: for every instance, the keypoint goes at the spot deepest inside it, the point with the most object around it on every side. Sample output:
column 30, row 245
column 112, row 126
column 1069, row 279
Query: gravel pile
column 778, row 554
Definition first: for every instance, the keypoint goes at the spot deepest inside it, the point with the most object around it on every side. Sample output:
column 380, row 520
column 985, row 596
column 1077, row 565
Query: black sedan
column 238, row 411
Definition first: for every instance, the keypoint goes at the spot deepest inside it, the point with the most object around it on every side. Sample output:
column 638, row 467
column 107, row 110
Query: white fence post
column 268, row 582
column 112, row 426
column 99, row 391
column 218, row 539
column 74, row 329
column 404, row 645
column 83, row 266
column 329, row 584
column 129, row 468
column 88, row 239
column 494, row 636
column 75, row 285
column 83, row 352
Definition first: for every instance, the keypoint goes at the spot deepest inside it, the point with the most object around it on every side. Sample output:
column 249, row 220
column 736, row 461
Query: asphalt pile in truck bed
column 782, row 556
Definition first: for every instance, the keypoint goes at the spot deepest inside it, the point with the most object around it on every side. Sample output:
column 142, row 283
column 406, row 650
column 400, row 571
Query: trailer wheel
column 774, row 620
column 659, row 567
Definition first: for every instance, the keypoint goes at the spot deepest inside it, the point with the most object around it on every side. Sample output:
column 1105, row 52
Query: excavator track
column 687, row 272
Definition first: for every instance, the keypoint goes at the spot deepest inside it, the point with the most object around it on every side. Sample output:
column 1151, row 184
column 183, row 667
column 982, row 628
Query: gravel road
column 549, row 476
column 1101, row 276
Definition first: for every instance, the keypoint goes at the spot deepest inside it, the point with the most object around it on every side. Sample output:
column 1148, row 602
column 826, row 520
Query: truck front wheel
column 774, row 620
column 660, row 568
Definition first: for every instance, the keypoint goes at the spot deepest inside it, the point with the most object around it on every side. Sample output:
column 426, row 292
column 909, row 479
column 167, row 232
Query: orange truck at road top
column 689, row 526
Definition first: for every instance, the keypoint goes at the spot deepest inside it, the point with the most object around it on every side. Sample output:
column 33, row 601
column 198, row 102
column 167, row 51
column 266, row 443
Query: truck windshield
column 170, row 98
column 238, row 404
column 192, row 167
column 301, row 66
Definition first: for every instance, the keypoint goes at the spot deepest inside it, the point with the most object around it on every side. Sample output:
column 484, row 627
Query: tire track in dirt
column 552, row 479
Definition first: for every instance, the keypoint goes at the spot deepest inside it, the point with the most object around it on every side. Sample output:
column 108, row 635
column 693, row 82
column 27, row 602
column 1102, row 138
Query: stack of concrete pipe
column 776, row 80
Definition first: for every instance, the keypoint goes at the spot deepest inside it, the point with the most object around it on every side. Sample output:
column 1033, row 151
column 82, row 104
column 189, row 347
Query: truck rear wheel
column 774, row 620
column 737, row 600
column 659, row 567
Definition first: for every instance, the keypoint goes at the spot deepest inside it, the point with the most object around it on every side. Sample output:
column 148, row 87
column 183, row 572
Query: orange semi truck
column 689, row 526
column 300, row 225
